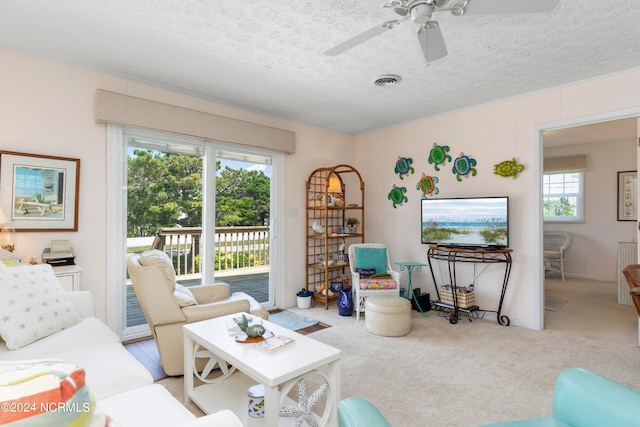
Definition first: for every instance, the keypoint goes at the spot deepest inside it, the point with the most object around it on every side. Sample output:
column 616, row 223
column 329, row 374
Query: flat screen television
column 470, row 222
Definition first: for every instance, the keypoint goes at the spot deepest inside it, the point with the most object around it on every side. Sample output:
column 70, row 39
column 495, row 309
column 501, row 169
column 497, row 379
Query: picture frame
column 627, row 196
column 39, row 192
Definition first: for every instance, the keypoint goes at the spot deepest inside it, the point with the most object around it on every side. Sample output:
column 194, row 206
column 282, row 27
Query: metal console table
column 481, row 256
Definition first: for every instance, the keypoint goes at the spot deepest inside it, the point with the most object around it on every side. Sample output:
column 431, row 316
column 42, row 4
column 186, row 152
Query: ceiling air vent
column 387, row 80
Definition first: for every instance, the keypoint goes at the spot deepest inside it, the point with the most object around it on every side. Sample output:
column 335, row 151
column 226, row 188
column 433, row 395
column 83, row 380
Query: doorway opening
column 609, row 142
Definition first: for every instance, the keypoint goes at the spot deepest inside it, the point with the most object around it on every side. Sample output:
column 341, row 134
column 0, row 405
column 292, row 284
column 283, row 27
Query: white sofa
column 122, row 387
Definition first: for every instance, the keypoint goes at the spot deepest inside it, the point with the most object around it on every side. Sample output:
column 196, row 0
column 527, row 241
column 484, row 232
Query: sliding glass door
column 242, row 222
column 205, row 204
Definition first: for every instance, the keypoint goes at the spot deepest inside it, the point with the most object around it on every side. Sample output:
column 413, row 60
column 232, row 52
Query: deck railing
column 236, row 247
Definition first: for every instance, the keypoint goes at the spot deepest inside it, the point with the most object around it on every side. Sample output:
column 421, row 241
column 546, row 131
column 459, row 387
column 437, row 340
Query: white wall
column 46, row 108
column 593, row 254
column 489, row 133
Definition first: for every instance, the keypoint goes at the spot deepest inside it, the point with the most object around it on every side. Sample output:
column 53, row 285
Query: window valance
column 112, row 107
column 565, row 164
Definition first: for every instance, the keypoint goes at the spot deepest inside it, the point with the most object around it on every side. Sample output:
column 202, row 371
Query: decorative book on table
column 275, row 342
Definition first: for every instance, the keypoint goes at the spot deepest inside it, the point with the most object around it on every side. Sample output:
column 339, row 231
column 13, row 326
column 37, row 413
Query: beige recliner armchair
column 168, row 306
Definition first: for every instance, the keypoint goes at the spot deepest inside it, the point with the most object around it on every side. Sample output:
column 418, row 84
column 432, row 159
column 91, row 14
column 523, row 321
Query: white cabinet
column 69, row 276
column 627, row 254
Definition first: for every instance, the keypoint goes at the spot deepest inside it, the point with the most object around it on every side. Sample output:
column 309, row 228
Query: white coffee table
column 278, row 370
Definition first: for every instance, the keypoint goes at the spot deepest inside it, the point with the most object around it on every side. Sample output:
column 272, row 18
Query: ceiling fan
column 428, row 30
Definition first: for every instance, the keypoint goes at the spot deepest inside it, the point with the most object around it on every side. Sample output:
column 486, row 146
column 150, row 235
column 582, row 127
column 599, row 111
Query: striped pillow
column 46, row 392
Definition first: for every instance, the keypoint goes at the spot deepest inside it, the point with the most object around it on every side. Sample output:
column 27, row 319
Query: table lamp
column 334, row 191
column 8, row 233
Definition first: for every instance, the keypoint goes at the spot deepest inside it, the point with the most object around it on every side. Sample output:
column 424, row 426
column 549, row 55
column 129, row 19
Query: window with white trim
column 563, row 199
column 121, row 142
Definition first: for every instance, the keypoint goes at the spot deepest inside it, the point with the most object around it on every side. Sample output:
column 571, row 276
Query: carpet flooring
column 477, row 372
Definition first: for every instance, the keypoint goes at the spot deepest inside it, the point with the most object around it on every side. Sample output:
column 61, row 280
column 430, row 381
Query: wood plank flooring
column 146, row 352
column 254, row 284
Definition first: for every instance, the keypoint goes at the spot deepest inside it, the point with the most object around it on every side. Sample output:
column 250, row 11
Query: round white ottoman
column 387, row 315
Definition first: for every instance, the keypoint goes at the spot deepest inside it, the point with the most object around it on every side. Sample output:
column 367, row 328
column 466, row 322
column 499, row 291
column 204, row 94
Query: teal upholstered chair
column 586, row 399
column 372, row 258
column 358, row 412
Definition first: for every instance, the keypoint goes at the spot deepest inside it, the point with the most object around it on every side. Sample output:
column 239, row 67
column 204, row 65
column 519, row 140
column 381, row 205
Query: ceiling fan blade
column 361, row 38
column 497, row 7
column 431, row 41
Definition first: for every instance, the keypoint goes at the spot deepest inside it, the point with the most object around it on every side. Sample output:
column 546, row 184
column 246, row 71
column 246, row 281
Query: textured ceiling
column 267, row 55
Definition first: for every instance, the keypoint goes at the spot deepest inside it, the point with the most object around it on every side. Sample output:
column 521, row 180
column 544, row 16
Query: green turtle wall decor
column 463, row 166
column 427, row 184
column 396, row 195
column 508, row 168
column 403, row 166
column 438, row 155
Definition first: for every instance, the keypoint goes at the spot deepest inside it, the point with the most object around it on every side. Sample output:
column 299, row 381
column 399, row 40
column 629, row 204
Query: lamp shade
column 334, row 185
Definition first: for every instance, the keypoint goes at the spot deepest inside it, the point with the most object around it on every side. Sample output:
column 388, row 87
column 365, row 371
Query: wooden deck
column 254, row 284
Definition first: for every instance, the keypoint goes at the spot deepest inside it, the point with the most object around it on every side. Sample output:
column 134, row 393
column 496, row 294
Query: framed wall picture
column 39, row 193
column 627, row 196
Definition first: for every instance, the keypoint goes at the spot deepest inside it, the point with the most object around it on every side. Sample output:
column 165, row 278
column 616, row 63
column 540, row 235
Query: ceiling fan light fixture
column 431, row 41
column 429, row 34
column 387, row 80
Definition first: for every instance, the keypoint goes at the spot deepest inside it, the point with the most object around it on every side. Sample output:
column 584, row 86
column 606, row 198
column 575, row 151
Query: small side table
column 69, row 276
column 409, row 266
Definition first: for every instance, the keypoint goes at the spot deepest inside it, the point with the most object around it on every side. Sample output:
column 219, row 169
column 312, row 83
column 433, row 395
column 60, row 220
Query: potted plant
column 352, row 224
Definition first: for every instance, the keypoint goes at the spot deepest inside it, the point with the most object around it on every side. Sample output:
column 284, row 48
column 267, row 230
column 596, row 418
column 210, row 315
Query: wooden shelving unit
column 329, row 210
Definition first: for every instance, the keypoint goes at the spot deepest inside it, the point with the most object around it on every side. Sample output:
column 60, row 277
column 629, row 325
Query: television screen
column 473, row 222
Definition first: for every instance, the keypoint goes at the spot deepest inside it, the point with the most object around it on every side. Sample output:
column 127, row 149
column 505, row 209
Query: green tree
column 164, row 190
column 558, row 207
column 242, row 197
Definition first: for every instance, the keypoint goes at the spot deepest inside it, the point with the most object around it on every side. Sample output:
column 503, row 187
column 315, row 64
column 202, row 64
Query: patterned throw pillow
column 373, row 283
column 33, row 305
column 11, row 262
column 47, row 393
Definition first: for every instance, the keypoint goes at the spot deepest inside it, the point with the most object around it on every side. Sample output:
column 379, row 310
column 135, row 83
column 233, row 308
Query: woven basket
column 465, row 300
